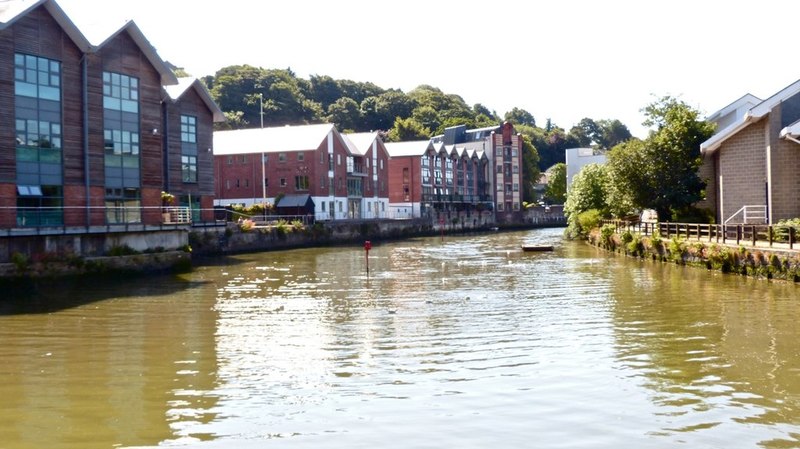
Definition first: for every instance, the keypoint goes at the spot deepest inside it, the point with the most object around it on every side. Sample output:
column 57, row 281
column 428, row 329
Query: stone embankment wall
column 754, row 262
column 55, row 266
column 236, row 239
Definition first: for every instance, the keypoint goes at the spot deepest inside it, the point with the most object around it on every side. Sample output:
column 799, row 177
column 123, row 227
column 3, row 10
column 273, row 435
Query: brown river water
column 465, row 342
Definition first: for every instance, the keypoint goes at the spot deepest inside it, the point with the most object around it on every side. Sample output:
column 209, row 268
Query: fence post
column 753, row 230
column 738, row 233
column 791, row 237
column 769, row 235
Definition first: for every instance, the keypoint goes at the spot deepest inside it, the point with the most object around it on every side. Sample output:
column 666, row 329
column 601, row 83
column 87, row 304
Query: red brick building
column 344, row 177
column 471, row 176
column 95, row 136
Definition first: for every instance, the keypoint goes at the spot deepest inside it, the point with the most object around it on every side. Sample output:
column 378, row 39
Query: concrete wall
column 785, row 170
column 577, row 158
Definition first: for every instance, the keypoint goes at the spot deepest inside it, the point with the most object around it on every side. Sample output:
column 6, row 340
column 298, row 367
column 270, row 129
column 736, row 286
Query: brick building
column 751, row 164
column 467, row 175
column 345, row 177
column 96, row 137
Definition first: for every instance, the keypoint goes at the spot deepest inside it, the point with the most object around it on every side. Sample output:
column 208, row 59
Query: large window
column 189, row 168
column 188, row 129
column 122, row 147
column 301, row 182
column 188, row 148
column 37, row 125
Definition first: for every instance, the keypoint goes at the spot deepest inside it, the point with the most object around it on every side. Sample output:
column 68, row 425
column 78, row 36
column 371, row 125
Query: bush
column 579, row 226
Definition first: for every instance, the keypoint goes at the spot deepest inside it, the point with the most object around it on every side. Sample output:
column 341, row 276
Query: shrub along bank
column 771, row 264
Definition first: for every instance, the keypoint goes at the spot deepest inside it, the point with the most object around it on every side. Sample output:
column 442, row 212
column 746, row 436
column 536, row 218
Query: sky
column 559, row 59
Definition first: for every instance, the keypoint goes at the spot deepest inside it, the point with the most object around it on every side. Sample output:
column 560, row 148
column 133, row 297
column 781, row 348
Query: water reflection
column 464, row 343
column 717, row 352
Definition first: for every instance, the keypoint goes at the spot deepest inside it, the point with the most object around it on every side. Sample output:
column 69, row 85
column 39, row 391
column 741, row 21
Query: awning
column 300, row 200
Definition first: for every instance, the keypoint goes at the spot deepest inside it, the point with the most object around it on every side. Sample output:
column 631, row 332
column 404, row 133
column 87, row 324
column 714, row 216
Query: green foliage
column 661, row 172
column 582, row 224
column 520, row 117
column 297, row 225
column 588, row 191
column 246, row 225
column 345, row 113
column 607, row 233
column 556, row 192
column 692, row 214
column 408, row 129
column 20, row 261
column 122, row 250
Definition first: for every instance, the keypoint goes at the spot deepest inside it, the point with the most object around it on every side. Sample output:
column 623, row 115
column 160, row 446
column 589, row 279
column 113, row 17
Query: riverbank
column 782, row 264
column 234, row 238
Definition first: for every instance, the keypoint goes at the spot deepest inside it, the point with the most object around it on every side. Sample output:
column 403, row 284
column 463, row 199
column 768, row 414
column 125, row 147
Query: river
column 464, row 342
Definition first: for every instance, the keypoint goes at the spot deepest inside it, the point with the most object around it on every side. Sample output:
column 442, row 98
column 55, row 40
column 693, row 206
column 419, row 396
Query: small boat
column 537, row 247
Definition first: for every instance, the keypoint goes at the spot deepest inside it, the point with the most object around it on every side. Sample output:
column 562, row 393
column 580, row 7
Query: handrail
column 756, row 212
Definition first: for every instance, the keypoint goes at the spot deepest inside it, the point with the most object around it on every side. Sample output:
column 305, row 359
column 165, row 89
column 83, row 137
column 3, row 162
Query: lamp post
column 261, row 107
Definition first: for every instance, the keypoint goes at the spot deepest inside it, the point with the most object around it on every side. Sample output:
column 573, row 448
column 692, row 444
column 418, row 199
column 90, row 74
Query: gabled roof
column 359, row 143
column 745, row 101
column 176, row 91
column 167, row 76
column 755, row 114
column 272, row 140
column 411, row 148
column 13, row 10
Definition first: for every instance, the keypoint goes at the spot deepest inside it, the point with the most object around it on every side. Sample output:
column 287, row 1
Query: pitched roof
column 746, row 100
column 13, row 10
column 411, row 148
column 176, row 91
column 167, row 76
column 359, row 143
column 272, row 140
column 755, row 114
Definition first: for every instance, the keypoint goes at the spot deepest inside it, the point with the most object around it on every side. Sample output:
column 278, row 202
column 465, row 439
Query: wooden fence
column 755, row 235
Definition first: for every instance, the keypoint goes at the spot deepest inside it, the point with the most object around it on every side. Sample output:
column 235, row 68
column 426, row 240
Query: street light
column 261, row 107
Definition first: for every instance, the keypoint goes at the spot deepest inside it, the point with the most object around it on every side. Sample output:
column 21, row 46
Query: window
column 321, row 157
column 123, row 205
column 189, row 168
column 246, row 182
column 283, row 182
column 230, row 160
column 188, row 129
column 516, row 187
column 120, row 92
column 381, row 162
column 338, row 159
column 228, row 184
column 301, row 182
column 121, row 134
column 405, row 175
column 281, row 157
column 500, row 207
column 37, row 77
column 301, row 157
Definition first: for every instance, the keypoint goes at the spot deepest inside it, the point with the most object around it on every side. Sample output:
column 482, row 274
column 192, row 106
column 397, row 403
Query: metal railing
column 758, row 214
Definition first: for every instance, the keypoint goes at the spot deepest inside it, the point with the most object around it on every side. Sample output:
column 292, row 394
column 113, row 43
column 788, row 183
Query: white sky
column 562, row 59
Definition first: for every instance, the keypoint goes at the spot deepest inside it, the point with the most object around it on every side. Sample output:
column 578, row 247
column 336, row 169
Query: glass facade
column 122, row 146
column 38, row 129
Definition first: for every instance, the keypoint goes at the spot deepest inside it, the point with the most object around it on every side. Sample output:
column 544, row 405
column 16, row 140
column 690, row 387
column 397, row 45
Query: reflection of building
column 577, row 158
column 463, row 174
column 344, row 177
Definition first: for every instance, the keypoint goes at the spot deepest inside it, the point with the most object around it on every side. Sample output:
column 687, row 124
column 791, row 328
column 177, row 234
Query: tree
column 345, row 114
column 530, row 170
column 612, row 133
column 408, row 129
column 520, row 117
column 556, row 191
column 324, row 90
column 661, row 172
column 588, row 191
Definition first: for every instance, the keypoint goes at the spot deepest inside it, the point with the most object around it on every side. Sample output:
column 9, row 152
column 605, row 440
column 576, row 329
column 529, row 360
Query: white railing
column 750, row 215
